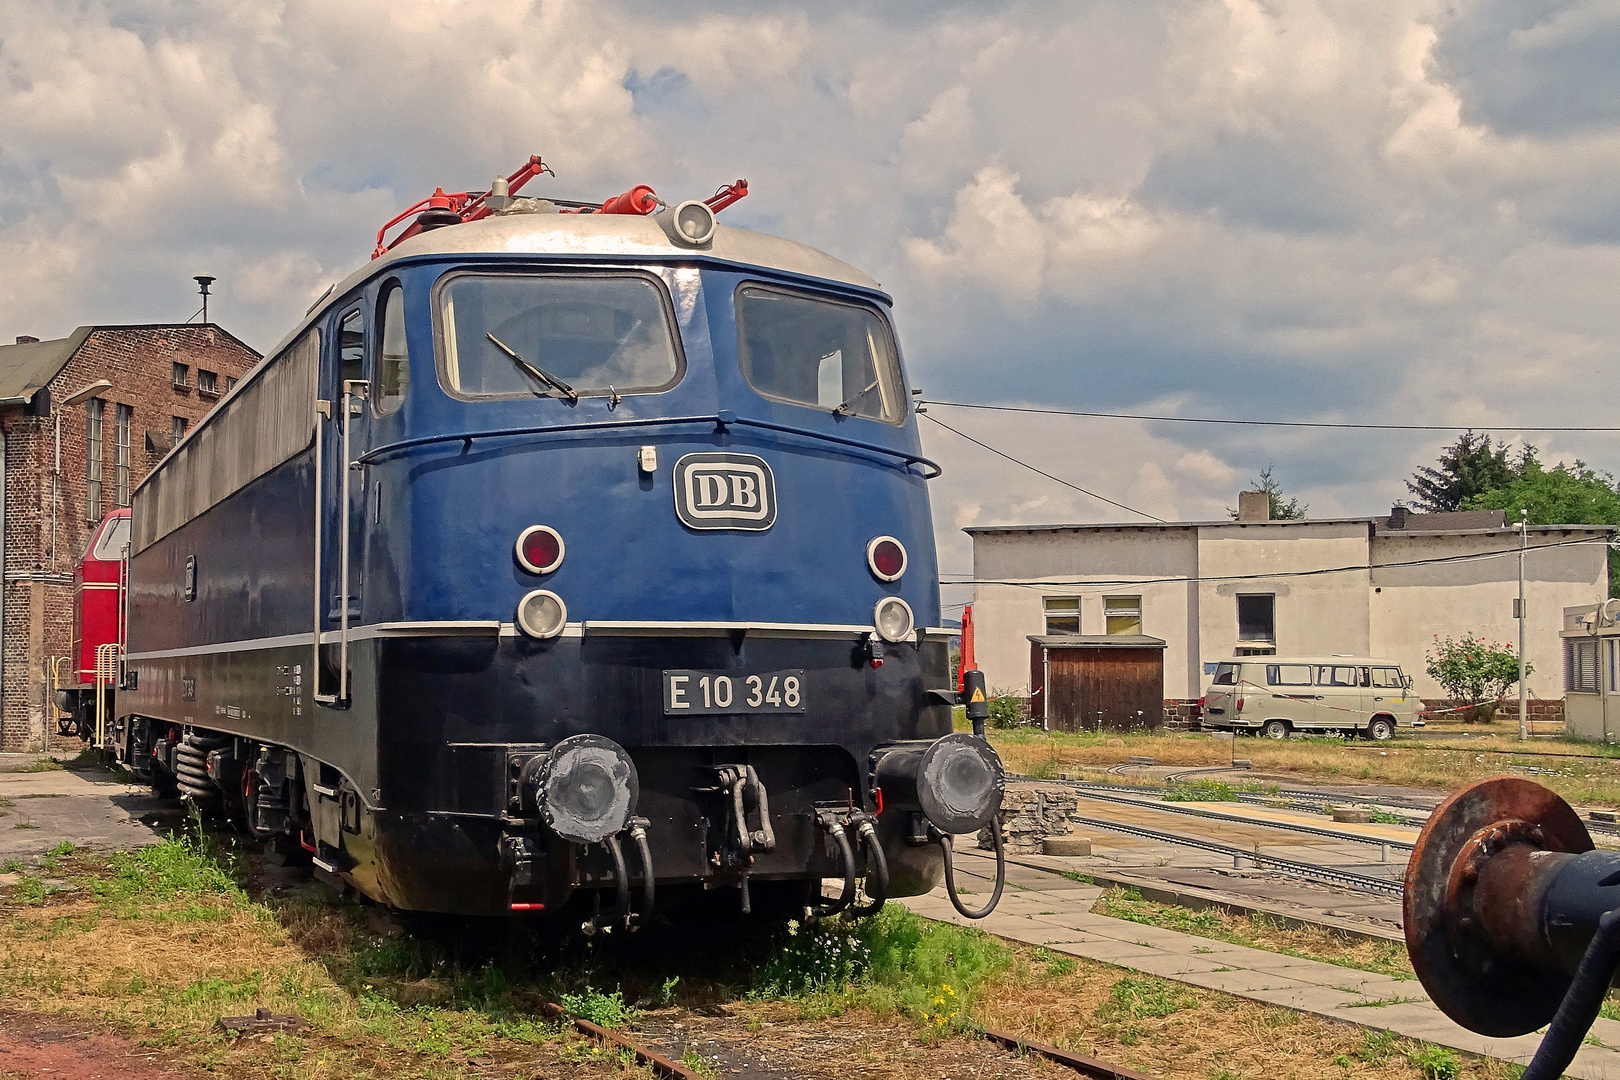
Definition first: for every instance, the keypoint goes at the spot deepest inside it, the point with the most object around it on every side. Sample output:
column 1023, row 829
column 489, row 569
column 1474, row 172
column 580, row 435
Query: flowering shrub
column 820, row 956
column 1475, row 672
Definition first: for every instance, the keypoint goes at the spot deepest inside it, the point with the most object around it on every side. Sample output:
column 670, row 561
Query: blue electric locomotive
column 563, row 552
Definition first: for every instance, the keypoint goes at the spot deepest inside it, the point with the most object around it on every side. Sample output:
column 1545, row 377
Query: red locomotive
column 99, row 609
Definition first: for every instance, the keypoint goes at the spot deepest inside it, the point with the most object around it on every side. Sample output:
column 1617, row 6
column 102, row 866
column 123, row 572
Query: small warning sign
column 978, row 695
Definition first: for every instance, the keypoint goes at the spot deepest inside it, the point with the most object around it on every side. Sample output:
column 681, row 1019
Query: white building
column 1379, row 586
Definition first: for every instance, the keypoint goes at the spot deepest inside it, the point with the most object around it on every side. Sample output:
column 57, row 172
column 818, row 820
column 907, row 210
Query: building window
column 180, row 372
column 230, row 384
column 1581, row 665
column 121, row 418
column 92, row 460
column 1122, row 614
column 1614, row 665
column 1256, row 616
column 1062, row 614
column 207, row 382
column 179, row 431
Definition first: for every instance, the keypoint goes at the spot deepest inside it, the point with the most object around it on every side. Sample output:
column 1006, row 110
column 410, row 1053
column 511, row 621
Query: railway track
column 667, row 1068
column 1311, row 871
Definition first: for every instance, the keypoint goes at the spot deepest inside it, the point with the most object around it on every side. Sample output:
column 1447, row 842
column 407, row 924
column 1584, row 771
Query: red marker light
column 886, row 557
column 540, row 549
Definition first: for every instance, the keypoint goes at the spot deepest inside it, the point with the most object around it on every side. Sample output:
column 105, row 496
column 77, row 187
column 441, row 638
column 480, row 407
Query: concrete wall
column 1004, row 615
column 1318, row 615
column 1411, row 605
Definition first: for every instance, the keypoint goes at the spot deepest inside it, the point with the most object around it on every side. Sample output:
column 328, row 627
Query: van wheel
column 1380, row 729
column 1274, row 729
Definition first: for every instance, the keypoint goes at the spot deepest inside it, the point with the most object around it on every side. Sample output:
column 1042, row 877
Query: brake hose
column 848, row 856
column 945, row 842
column 1581, row 1003
column 638, row 833
column 879, row 871
column 621, row 882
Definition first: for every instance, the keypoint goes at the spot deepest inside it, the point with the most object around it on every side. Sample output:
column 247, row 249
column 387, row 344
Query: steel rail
column 1248, row 797
column 1093, row 1067
column 1289, row 866
column 1216, row 815
column 658, row 1063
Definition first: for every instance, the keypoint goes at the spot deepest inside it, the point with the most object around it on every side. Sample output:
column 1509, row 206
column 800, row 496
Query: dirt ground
column 35, row 1046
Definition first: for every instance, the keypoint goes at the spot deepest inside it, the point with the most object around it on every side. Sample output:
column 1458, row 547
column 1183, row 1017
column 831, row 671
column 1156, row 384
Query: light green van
column 1275, row 695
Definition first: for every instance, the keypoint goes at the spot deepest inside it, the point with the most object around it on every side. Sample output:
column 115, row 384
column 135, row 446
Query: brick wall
column 46, row 521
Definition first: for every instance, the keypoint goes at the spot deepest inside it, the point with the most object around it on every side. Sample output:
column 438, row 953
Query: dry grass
column 1182, row 1033
column 1590, row 779
column 158, row 947
column 1260, row 931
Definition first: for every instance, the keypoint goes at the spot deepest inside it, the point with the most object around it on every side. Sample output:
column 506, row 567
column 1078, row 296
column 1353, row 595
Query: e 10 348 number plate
column 733, row 692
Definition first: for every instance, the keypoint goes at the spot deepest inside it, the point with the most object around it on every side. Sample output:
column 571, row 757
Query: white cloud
column 1282, row 209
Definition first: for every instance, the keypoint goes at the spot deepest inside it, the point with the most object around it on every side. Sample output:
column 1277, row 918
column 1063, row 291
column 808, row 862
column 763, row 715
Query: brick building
column 64, row 466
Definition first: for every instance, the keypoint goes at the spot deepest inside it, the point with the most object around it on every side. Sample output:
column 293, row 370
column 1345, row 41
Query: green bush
column 1005, row 711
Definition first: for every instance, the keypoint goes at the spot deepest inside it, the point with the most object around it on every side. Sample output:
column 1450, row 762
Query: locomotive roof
column 611, row 236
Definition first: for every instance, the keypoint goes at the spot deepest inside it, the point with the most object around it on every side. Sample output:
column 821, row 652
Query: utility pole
column 1518, row 612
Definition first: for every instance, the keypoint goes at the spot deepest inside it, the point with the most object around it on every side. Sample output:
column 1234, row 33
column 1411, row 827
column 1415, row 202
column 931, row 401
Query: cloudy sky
column 1283, row 209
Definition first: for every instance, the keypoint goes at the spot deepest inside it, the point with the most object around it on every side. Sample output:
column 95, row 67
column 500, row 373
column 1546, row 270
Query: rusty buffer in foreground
column 1513, row 918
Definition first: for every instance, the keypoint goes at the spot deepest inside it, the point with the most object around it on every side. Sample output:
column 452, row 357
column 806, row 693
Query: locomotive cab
column 565, row 556
column 98, row 629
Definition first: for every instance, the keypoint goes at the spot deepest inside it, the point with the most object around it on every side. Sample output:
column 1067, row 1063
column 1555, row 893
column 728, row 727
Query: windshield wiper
column 540, row 375
column 848, row 406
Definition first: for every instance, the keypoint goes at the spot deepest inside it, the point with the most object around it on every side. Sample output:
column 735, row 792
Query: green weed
column 1201, row 791
column 603, row 1010
column 1436, row 1062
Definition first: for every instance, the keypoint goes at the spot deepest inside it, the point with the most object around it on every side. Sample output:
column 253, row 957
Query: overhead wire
column 1043, row 472
column 1258, row 423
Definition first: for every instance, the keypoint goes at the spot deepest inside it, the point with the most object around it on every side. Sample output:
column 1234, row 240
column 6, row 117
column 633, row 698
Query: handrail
column 722, row 419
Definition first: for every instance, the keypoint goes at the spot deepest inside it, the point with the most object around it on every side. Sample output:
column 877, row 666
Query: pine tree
column 1281, row 509
column 1470, row 467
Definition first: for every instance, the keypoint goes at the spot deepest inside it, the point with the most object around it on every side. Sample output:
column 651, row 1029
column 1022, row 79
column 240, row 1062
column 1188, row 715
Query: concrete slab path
column 38, row 810
column 1042, row 908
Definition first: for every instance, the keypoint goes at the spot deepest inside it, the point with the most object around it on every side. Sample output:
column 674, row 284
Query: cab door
column 1387, row 692
column 1341, row 704
column 341, row 498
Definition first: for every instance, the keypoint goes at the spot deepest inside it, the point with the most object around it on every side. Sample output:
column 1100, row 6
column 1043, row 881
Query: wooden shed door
column 1110, row 688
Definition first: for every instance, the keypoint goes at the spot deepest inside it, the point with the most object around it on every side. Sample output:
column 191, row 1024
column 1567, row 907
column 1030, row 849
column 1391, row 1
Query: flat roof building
column 1368, row 586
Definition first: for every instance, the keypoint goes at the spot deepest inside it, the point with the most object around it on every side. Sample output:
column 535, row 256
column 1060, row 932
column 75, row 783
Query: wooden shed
column 1081, row 682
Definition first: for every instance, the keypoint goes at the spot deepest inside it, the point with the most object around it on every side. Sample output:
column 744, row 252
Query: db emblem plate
column 725, row 491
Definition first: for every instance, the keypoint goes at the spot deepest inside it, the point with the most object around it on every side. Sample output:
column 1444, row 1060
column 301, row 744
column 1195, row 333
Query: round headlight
column 586, row 789
column 892, row 619
column 694, row 223
column 886, row 557
column 959, row 783
column 542, row 614
column 540, row 549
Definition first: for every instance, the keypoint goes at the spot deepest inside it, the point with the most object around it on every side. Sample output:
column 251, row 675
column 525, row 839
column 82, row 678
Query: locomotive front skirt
column 560, row 562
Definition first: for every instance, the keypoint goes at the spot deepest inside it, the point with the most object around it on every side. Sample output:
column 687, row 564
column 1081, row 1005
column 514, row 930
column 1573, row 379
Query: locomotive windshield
column 820, row 353
column 587, row 332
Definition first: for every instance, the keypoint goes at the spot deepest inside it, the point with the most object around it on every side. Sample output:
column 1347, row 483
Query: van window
column 1288, row 675
column 1388, row 678
column 1337, row 676
column 1225, row 675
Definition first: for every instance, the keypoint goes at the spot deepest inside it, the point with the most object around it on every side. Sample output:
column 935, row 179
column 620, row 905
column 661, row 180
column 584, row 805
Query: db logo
column 725, row 491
